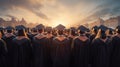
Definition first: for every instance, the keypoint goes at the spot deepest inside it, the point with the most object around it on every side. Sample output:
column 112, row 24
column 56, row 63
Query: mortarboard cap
column 9, row 28
column 60, row 27
column 40, row 26
column 48, row 28
column 1, row 28
column 20, row 27
column 83, row 28
column 103, row 28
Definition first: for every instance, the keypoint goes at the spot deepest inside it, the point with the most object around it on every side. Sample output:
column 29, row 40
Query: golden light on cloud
column 57, row 22
column 55, row 12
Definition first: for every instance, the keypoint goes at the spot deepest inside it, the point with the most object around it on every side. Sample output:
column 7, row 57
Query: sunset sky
column 54, row 12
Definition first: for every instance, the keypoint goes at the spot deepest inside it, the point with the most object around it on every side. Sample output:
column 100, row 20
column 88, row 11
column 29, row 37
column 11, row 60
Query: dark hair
column 40, row 30
column 111, row 32
column 49, row 32
column 60, row 32
column 72, row 32
column 81, row 32
column 118, row 31
column 2, row 32
column 21, row 33
column 9, row 31
column 101, row 34
column 34, row 30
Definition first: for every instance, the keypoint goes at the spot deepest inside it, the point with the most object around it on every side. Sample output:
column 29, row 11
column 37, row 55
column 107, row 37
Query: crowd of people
column 46, row 47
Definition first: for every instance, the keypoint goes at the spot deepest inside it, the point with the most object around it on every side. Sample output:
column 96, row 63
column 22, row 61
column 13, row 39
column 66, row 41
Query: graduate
column 61, row 49
column 2, row 31
column 81, row 50
column 3, row 52
column 33, row 33
column 93, row 33
column 22, row 49
column 115, row 56
column 99, row 50
column 39, row 48
column 72, row 36
column 8, row 37
column 48, row 42
column 109, row 33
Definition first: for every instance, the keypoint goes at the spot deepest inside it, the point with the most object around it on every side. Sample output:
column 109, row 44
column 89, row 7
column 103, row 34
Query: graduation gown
column 48, row 43
column 81, row 53
column 22, row 52
column 39, row 51
column 61, row 52
column 10, row 49
column 3, row 52
column 99, row 53
column 92, row 37
column 115, row 56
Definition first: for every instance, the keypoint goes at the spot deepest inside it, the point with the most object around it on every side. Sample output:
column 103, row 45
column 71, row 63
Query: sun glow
column 57, row 22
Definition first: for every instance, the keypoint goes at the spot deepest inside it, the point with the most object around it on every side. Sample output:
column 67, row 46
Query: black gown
column 10, row 49
column 115, row 56
column 81, row 53
column 3, row 52
column 39, row 52
column 22, row 52
column 61, row 52
column 100, row 53
column 48, row 42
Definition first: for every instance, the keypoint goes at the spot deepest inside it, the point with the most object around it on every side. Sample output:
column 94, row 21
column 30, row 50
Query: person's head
column 21, row 32
column 81, row 32
column 49, row 30
column 2, row 30
column 109, row 32
column 60, row 32
column 40, row 28
column 0, row 34
column 101, row 34
column 118, row 29
column 34, row 29
column 73, row 32
column 94, row 30
column 9, row 29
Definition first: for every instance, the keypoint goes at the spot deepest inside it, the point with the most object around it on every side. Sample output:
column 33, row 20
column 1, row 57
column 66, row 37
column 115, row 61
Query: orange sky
column 54, row 12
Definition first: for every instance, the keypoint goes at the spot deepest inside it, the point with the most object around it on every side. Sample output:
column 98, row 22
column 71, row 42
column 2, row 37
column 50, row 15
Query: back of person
column 61, row 52
column 81, row 52
column 10, row 47
column 22, row 52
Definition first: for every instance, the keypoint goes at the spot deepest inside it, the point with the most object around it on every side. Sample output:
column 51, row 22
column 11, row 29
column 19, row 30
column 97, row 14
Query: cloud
column 33, row 6
column 107, row 9
column 11, row 16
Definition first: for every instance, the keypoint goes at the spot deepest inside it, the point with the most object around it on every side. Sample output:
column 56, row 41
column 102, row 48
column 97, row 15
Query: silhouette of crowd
column 59, row 47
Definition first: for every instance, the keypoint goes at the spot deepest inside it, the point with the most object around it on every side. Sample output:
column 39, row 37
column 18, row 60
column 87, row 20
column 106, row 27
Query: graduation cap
column 48, row 29
column 95, row 27
column 1, row 28
column 73, row 28
column 9, row 28
column 60, row 27
column 111, row 29
column 20, row 27
column 103, row 28
column 118, row 29
column 34, row 29
column 40, row 26
column 83, row 28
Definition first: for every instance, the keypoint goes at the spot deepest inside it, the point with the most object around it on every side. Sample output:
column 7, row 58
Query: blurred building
column 12, row 22
column 112, row 22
